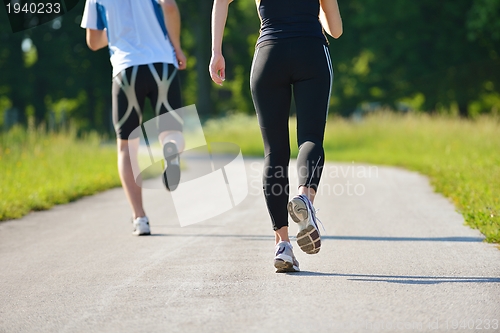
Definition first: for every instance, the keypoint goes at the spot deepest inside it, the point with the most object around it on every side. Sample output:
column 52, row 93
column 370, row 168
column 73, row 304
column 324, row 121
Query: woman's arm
column 217, row 66
column 329, row 15
column 173, row 25
column 96, row 39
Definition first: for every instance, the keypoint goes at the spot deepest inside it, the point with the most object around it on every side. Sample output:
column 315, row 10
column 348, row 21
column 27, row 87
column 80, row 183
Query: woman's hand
column 217, row 68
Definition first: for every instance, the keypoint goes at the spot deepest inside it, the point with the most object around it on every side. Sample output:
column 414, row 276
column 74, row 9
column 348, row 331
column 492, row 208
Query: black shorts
column 159, row 82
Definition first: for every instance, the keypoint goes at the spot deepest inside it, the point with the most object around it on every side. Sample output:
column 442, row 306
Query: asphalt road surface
column 396, row 257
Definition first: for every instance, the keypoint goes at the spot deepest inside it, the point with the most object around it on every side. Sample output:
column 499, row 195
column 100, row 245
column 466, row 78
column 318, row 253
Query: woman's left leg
column 271, row 92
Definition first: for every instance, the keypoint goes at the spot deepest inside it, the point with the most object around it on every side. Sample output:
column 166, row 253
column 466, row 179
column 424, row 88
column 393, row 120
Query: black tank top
column 289, row 18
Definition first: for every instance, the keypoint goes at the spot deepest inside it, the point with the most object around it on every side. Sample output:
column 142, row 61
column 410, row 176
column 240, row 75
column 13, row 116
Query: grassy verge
column 39, row 170
column 462, row 158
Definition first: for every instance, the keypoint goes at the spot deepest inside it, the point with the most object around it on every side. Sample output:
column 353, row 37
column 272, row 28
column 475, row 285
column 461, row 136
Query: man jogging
column 144, row 44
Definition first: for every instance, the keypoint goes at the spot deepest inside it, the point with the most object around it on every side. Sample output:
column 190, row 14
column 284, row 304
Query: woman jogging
column 291, row 57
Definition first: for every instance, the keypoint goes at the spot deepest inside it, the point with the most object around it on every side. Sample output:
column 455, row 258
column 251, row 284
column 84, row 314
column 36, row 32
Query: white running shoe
column 141, row 226
column 303, row 213
column 284, row 260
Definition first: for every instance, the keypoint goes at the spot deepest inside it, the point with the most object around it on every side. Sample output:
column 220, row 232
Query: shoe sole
column 308, row 238
column 143, row 234
column 297, row 210
column 284, row 266
column 172, row 174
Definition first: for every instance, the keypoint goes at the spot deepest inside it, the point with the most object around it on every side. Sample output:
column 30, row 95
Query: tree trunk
column 18, row 85
column 463, row 110
column 203, row 101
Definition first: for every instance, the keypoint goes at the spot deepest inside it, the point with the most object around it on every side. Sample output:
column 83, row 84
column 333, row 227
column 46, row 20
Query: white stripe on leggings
column 330, row 68
column 253, row 64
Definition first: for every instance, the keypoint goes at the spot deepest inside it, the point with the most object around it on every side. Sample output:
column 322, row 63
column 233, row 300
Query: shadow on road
column 403, row 279
column 408, row 239
column 359, row 238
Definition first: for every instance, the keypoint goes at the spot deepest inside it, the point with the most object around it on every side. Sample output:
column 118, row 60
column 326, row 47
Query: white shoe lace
column 315, row 211
column 317, row 219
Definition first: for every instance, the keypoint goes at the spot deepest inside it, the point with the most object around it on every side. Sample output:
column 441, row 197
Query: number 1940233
column 34, row 8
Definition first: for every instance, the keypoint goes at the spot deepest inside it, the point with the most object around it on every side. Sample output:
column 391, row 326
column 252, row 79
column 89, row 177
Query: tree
column 403, row 48
column 446, row 53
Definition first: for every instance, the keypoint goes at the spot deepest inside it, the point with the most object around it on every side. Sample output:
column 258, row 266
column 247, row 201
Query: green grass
column 461, row 157
column 39, row 170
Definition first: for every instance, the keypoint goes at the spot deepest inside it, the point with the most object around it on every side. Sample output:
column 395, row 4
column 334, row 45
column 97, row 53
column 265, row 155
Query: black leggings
column 280, row 67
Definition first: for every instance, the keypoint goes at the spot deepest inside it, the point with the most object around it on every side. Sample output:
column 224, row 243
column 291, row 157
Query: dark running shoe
column 303, row 213
column 172, row 173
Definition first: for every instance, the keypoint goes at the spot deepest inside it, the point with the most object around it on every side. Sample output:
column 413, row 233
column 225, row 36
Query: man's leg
column 175, row 137
column 172, row 146
column 129, row 91
column 127, row 161
column 165, row 96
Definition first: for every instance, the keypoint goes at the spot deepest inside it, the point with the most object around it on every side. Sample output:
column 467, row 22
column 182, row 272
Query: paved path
column 396, row 258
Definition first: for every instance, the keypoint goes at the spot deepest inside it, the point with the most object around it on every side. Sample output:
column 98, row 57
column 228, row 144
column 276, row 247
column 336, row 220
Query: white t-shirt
column 136, row 31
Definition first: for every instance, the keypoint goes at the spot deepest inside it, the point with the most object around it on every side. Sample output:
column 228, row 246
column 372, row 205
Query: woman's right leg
column 271, row 92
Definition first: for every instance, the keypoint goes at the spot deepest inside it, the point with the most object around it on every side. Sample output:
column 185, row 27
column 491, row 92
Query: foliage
column 63, row 68
column 426, row 55
column 406, row 48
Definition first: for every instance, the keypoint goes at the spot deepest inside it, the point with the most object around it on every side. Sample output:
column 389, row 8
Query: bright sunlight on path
column 396, row 257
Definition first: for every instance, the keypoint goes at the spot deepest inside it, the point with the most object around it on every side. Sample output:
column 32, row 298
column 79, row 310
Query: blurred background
column 426, row 55
column 417, row 85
